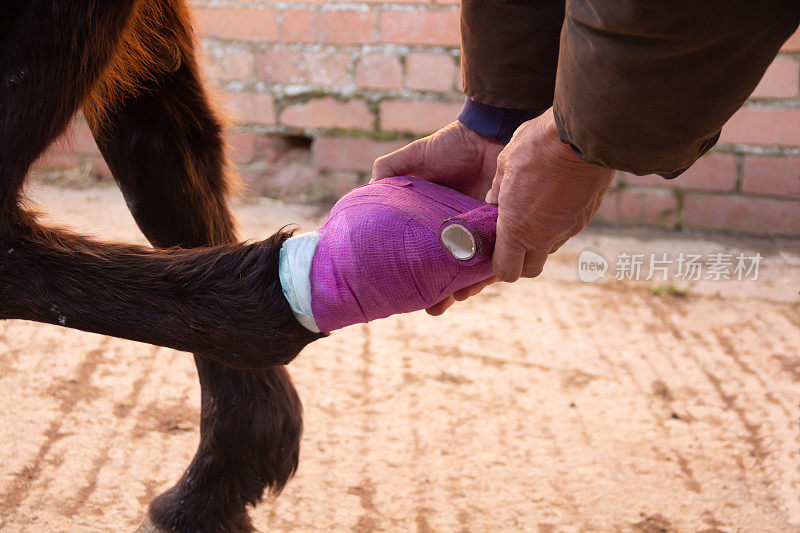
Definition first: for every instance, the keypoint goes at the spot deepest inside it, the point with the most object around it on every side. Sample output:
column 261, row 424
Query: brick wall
column 319, row 89
column 360, row 79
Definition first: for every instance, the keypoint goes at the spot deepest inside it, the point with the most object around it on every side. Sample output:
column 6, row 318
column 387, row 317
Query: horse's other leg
column 51, row 53
column 164, row 147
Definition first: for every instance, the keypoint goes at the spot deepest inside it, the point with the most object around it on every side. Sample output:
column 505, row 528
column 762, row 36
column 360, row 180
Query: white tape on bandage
column 294, row 268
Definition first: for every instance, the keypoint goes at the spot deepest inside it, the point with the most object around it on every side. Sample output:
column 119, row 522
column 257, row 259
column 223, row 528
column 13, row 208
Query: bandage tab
column 459, row 241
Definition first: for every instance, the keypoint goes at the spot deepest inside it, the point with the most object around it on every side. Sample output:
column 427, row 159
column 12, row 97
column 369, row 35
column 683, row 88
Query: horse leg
column 225, row 303
column 164, row 147
column 46, row 70
column 52, row 54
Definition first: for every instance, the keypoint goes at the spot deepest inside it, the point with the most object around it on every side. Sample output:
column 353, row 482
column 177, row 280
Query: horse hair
column 130, row 65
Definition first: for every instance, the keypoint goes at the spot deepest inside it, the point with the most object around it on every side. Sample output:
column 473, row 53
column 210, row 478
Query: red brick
column 345, row 26
column 458, row 81
column 77, row 139
column 782, row 80
column 630, row 206
column 344, row 153
column 763, row 126
column 61, row 145
column 793, row 44
column 52, row 159
column 228, row 63
column 252, row 107
column 772, row 176
column 740, row 213
column 237, row 23
column 296, row 25
column 437, row 28
column 327, row 68
column 328, row 113
column 379, row 71
column 241, row 147
column 281, row 180
column 280, row 66
column 430, row 72
column 417, row 117
column 712, row 172
column 336, row 184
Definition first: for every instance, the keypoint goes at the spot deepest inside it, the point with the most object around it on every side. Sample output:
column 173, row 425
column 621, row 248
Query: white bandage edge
column 294, row 270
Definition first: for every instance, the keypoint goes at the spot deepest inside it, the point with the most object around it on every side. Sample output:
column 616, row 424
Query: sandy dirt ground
column 550, row 405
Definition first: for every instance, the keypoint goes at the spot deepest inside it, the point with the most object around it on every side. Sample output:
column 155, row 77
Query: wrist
column 495, row 123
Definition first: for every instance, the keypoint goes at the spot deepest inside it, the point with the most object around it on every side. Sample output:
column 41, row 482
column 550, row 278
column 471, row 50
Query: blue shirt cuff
column 497, row 123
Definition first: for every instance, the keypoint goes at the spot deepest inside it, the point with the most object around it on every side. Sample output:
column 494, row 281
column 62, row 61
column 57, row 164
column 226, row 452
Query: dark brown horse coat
column 130, row 64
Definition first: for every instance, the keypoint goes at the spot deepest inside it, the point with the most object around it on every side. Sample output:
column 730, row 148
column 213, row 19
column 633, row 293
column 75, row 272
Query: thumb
column 494, row 193
column 508, row 259
column 406, row 161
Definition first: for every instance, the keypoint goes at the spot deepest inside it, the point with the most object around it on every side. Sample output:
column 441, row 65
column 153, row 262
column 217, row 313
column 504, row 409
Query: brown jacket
column 643, row 86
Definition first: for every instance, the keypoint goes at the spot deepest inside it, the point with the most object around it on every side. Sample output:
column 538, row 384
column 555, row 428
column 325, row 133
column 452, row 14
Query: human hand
column 456, row 157
column 546, row 194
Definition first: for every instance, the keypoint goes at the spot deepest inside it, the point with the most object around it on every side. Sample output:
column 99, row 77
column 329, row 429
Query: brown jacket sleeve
column 510, row 51
column 646, row 86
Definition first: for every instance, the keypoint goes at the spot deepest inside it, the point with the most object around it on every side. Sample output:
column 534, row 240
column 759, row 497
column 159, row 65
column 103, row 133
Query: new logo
column 591, row 266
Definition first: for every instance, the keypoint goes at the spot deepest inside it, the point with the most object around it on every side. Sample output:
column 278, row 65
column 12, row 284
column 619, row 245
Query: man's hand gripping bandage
column 393, row 246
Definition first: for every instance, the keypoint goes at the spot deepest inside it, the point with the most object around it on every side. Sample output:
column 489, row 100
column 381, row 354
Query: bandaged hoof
column 393, row 246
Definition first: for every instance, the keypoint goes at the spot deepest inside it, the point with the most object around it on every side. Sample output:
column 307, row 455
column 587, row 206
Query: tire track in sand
column 72, row 391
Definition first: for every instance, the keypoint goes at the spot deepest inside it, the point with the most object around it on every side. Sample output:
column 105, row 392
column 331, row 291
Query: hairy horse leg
column 224, row 301
column 52, row 54
column 47, row 68
column 165, row 149
column 57, row 54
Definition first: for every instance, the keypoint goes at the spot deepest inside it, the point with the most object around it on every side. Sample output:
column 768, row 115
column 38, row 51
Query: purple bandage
column 398, row 245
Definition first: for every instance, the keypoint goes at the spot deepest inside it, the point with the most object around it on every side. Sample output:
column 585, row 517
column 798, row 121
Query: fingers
column 509, row 255
column 441, row 307
column 508, row 259
column 494, row 192
column 493, row 196
column 545, row 194
column 472, row 290
column 406, row 161
column 460, row 296
column 534, row 263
